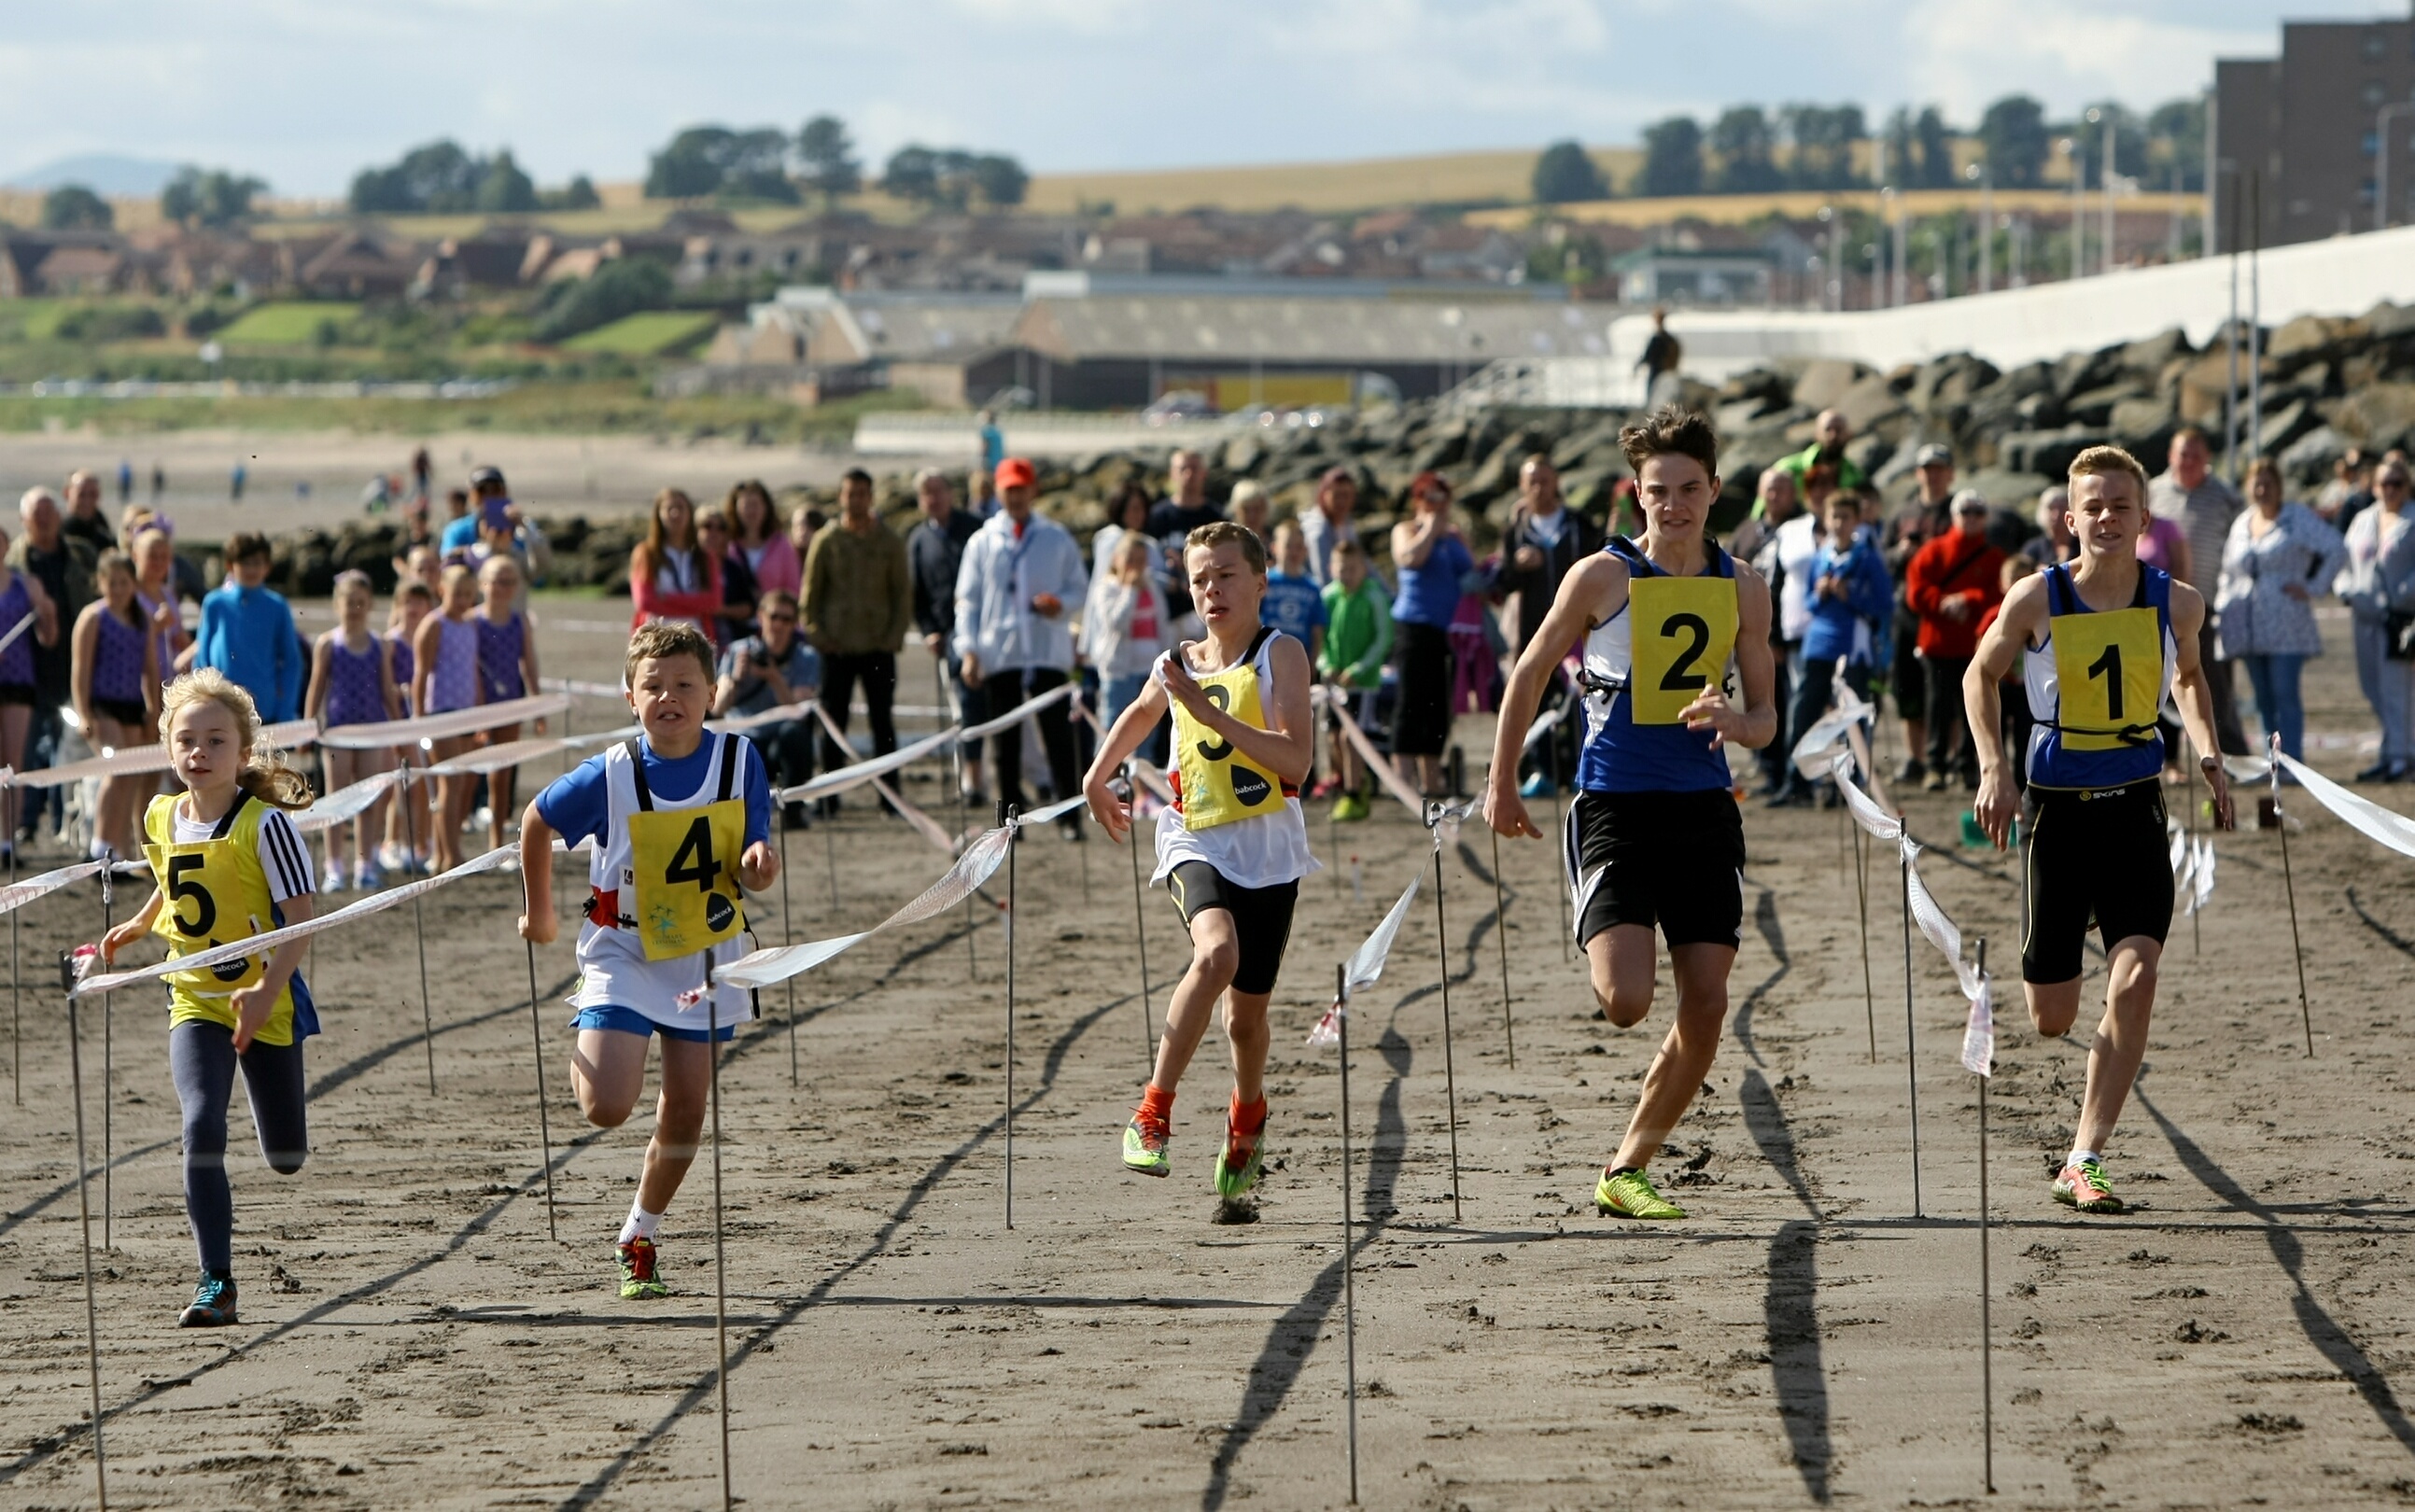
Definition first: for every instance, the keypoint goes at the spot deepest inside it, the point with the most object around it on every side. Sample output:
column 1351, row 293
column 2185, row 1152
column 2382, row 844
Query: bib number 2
column 1681, row 676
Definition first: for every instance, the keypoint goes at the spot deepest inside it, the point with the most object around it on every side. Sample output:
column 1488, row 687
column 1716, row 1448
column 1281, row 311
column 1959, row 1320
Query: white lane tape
column 1365, row 967
column 265, row 944
column 1017, row 714
column 137, row 761
column 16, row 630
column 1546, row 722
column 447, row 726
column 865, row 771
column 739, row 724
column 1810, row 753
column 1979, row 1034
column 771, row 967
column 922, row 823
column 2201, row 875
column 1381, row 766
column 17, row 895
column 493, row 758
column 2378, row 824
column 347, row 802
column 577, row 688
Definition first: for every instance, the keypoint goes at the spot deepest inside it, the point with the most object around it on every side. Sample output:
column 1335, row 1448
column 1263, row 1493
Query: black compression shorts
column 1261, row 918
column 1675, row 860
column 2099, row 855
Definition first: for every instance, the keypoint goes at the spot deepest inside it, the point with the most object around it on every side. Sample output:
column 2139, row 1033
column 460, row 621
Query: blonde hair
column 660, row 639
column 264, row 776
column 2105, row 462
column 1229, row 532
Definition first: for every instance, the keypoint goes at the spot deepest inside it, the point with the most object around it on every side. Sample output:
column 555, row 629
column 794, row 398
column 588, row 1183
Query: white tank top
column 1265, row 851
column 613, row 968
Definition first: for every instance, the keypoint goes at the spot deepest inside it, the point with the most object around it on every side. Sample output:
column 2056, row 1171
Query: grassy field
column 1804, row 204
column 648, row 335
column 285, row 325
column 1442, row 178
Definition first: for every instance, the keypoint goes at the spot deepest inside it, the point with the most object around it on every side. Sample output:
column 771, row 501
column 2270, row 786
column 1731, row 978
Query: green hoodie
column 1357, row 633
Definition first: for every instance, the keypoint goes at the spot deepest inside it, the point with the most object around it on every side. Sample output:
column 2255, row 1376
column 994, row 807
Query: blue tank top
column 1429, row 595
column 2129, row 748
column 1620, row 755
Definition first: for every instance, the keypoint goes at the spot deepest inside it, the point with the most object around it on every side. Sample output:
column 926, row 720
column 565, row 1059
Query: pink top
column 774, row 565
column 2156, row 546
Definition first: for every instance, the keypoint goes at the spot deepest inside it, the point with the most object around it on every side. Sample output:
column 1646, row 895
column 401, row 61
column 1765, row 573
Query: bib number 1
column 2108, row 666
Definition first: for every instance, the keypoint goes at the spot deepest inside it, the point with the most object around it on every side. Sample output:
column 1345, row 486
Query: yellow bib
column 1681, row 632
column 1218, row 788
column 2108, row 671
column 212, row 893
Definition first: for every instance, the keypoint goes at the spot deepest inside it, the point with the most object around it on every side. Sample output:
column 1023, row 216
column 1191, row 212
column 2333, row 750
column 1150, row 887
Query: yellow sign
column 2108, row 670
column 1217, row 789
column 1236, row 392
column 1681, row 632
column 686, row 866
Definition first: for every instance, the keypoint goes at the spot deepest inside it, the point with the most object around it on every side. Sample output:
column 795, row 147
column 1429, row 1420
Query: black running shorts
column 1261, row 918
column 2096, row 855
column 1673, row 860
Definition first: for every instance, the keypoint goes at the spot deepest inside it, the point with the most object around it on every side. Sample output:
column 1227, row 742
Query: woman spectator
column 2166, row 544
column 1125, row 628
column 802, row 525
column 757, row 539
column 670, row 576
column 115, row 678
column 1432, row 558
column 155, row 590
column 1127, row 511
column 2278, row 557
column 2379, row 587
column 734, row 620
column 27, row 615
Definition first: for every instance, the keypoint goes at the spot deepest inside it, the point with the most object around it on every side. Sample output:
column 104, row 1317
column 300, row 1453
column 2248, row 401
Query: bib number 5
column 181, row 891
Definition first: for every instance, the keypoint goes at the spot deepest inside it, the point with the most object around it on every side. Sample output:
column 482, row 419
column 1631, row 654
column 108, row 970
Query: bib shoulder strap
column 1258, row 642
column 636, row 753
column 226, row 821
column 2060, row 595
column 1722, row 564
column 1630, row 553
column 729, row 754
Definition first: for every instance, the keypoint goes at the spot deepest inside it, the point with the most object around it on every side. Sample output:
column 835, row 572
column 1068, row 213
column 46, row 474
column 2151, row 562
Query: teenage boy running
column 681, row 818
column 1654, row 836
column 2098, row 641
column 1233, row 847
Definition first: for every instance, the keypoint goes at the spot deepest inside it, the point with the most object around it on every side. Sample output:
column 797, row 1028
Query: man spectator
column 63, row 564
column 2188, row 494
column 1021, row 575
column 934, row 551
column 1780, row 540
column 248, row 632
column 1543, row 540
column 1331, row 521
column 771, row 670
column 856, row 604
column 1183, row 510
column 84, row 519
column 1953, row 581
column 1662, row 353
column 993, row 444
column 1928, row 516
column 488, row 496
column 1829, row 434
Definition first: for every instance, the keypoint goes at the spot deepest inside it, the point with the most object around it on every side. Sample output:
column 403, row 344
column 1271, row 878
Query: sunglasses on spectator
column 2390, row 480
column 780, row 619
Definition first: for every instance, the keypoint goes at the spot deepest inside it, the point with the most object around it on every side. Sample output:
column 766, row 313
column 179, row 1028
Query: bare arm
column 2016, row 623
column 131, row 930
column 314, row 699
column 86, row 645
column 1289, row 744
column 1413, row 540
column 538, row 925
column 1591, row 591
column 2195, row 696
column 1123, row 737
column 254, row 1004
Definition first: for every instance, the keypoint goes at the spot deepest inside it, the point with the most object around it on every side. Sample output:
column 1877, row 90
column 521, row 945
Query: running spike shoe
column 1238, row 1169
column 641, row 1278
column 1144, row 1144
column 2083, row 1187
column 1631, row 1194
column 212, row 1305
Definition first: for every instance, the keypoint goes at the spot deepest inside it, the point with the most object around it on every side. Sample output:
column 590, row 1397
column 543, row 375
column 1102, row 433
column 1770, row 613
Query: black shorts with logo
column 1261, row 918
column 2098, row 855
column 1673, row 860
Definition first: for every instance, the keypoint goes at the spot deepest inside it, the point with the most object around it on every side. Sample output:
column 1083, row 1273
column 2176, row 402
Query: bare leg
column 343, row 769
column 1215, row 954
column 679, row 1120
column 15, row 720
column 1685, row 1058
column 2121, row 1034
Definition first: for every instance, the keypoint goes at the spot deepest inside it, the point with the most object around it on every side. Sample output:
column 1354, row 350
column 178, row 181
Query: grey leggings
column 201, row 1057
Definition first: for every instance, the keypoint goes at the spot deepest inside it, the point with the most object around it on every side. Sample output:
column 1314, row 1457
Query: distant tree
column 1745, row 146
column 2175, row 143
column 2013, row 139
column 503, row 188
column 1673, row 159
column 1936, row 149
column 1566, row 173
column 705, row 160
column 831, row 168
column 912, row 173
column 212, row 198
column 1823, row 137
column 757, row 167
column 623, row 285
column 1900, row 170
column 74, row 207
column 2129, row 141
column 998, row 179
column 579, row 194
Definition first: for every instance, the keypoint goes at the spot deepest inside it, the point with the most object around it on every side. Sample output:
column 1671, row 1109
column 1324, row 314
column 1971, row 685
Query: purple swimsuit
column 499, row 657
column 402, row 666
column 118, row 661
column 17, row 662
column 355, row 693
column 452, row 682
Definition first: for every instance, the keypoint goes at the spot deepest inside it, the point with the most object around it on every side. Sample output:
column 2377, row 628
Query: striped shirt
column 283, row 858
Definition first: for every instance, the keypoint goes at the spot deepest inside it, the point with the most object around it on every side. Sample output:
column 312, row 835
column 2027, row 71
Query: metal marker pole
column 108, row 1069
column 972, row 961
column 830, row 855
column 1349, row 1291
column 1501, row 934
column 419, row 929
column 1911, row 1055
column 1140, row 932
column 84, row 1202
column 1450, row 1075
column 1559, row 839
column 544, row 1115
column 16, row 1024
column 720, row 1257
column 2288, row 880
column 788, row 936
column 1013, row 839
column 1862, row 889
column 1987, row 1329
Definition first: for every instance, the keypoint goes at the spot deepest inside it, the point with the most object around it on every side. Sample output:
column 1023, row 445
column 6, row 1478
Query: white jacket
column 996, row 584
column 1107, row 640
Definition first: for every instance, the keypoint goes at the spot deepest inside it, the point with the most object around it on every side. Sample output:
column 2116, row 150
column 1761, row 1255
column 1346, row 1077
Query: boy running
column 669, row 813
column 1654, row 836
column 1233, row 847
column 2098, row 641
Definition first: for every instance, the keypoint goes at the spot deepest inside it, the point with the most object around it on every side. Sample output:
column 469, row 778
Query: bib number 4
column 694, row 861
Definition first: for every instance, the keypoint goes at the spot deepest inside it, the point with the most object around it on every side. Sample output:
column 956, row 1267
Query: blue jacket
column 248, row 634
column 1855, row 624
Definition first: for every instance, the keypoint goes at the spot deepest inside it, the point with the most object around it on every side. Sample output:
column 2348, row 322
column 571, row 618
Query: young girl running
column 228, row 864
column 445, row 656
column 506, row 670
column 682, row 819
column 114, row 675
column 21, row 599
column 351, row 682
column 1233, row 847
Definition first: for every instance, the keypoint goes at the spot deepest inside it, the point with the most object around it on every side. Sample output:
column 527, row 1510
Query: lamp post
column 2112, row 135
column 2070, row 149
column 1986, row 224
column 2381, row 160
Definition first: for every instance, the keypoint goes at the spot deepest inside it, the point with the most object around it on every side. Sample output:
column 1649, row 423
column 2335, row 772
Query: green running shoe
column 640, row 1278
column 1237, row 1177
column 1144, row 1147
column 212, row 1305
column 2083, row 1187
column 1631, row 1194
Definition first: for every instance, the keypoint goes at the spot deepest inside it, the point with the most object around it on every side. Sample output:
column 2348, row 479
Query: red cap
column 1015, row 472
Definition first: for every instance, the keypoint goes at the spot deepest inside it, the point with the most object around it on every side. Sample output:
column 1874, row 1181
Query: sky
column 304, row 92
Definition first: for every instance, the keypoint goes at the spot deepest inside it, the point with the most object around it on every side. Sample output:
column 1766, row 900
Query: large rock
column 1824, row 382
column 2379, row 417
column 2308, row 461
column 1866, row 403
column 2045, row 453
column 2150, row 355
